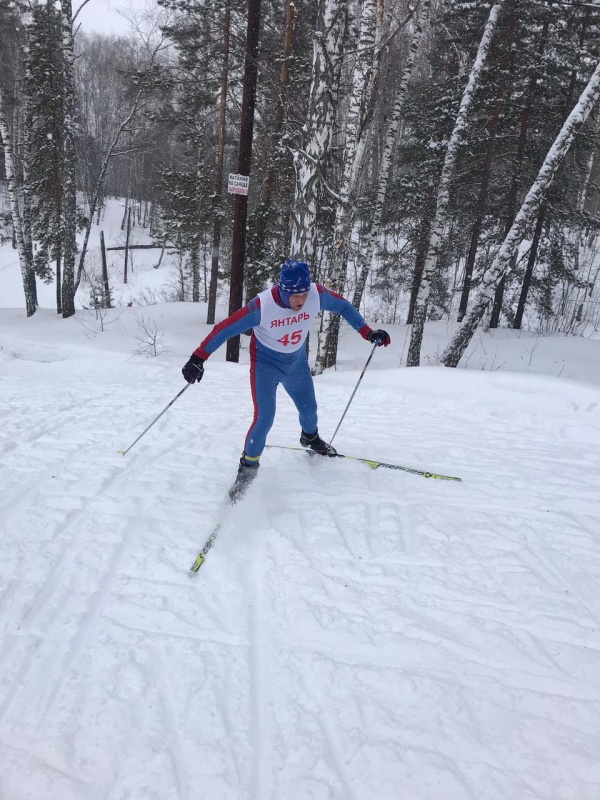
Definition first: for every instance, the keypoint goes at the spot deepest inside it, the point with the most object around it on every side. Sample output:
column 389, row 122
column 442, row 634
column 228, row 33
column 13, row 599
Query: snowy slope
column 353, row 635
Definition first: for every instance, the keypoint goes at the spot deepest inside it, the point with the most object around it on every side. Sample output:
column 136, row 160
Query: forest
column 431, row 159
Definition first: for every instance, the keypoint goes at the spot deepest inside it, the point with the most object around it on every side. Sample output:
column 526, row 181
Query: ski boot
column 247, row 472
column 314, row 442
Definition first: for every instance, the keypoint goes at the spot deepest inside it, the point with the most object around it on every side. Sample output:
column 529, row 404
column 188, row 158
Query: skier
column 281, row 318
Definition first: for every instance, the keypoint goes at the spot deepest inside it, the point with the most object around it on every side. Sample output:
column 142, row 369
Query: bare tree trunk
column 443, row 197
column 530, row 207
column 69, row 164
column 126, row 262
column 58, row 199
column 162, row 253
column 370, row 236
column 195, row 269
column 240, row 208
column 25, row 149
column 588, row 174
column 327, row 55
column 27, row 273
column 535, row 243
column 58, row 278
column 126, row 207
column 204, row 271
column 420, row 259
column 105, row 284
column 26, row 217
column 218, row 193
column 198, row 238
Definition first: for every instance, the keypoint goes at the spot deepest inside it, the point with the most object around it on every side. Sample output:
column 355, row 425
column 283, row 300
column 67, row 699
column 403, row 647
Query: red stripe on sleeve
column 201, row 351
column 323, row 289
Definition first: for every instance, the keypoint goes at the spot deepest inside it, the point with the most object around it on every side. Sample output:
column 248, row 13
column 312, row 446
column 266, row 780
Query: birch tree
column 25, row 261
column 352, row 162
column 15, row 107
column 309, row 162
column 527, row 213
column 443, row 194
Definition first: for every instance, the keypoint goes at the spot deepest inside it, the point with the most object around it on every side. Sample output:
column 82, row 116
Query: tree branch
column 85, row 2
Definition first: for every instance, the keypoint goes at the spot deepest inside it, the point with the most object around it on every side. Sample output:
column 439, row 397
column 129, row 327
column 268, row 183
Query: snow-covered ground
column 354, row 634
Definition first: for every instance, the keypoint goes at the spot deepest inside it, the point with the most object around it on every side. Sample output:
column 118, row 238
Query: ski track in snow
column 260, row 658
column 353, row 634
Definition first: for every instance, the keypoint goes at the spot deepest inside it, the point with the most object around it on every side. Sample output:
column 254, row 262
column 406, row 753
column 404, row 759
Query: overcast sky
column 104, row 16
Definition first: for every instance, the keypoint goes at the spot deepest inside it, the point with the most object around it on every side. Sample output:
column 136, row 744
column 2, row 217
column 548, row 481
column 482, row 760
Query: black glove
column 379, row 338
column 193, row 370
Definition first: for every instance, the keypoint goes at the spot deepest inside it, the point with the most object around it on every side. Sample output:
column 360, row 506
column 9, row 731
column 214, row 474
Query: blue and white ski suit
column 276, row 359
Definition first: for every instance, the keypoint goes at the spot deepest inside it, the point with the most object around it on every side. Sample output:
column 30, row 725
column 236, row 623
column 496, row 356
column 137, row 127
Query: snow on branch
column 443, row 194
column 501, row 264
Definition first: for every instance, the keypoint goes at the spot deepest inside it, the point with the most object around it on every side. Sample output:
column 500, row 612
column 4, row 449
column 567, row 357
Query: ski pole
column 355, row 388
column 124, row 452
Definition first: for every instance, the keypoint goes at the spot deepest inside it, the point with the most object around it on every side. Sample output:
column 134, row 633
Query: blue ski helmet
column 294, row 279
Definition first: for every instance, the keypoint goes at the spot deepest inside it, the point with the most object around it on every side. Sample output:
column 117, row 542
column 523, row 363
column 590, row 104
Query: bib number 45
column 291, row 338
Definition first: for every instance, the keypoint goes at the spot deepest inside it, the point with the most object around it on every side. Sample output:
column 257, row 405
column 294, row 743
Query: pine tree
column 442, row 203
column 530, row 207
column 44, row 86
column 391, row 135
column 189, row 91
column 69, row 163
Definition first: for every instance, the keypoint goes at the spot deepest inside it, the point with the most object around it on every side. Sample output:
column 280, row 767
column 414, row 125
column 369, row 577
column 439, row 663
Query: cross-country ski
column 201, row 557
column 376, row 464
column 235, row 494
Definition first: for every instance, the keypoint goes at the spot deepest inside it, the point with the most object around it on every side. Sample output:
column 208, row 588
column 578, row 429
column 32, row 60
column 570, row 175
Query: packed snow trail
column 353, row 634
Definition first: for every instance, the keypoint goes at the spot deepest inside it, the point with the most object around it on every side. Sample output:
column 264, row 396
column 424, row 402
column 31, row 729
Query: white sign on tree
column 238, row 184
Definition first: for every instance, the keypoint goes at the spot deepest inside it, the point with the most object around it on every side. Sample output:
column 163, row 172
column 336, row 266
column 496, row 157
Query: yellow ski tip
column 197, row 563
